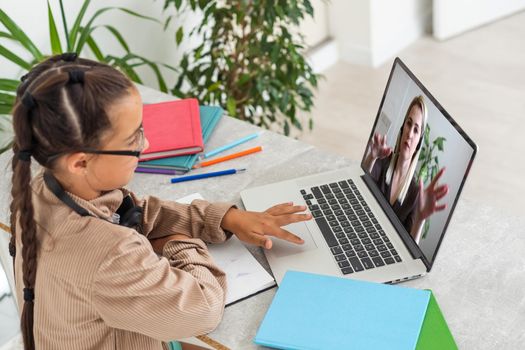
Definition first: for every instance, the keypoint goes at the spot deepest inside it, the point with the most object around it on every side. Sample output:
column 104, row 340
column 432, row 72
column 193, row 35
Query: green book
column 210, row 116
column 435, row 334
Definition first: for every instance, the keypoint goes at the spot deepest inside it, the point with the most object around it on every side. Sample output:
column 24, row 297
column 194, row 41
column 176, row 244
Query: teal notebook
column 323, row 312
column 210, row 116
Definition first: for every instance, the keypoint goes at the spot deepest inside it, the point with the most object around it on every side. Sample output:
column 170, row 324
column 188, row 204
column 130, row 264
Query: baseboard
column 323, row 55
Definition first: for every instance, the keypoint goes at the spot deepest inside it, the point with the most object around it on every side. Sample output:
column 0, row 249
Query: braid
column 60, row 108
column 13, row 207
column 29, row 247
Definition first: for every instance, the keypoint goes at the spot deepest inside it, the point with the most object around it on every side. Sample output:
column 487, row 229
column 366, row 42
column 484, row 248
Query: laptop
column 369, row 222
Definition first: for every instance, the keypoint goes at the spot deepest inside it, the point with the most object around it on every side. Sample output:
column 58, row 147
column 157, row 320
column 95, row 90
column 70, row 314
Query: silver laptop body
column 319, row 253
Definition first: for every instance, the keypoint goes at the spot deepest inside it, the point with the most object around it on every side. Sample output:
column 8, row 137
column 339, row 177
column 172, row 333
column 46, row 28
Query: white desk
column 478, row 277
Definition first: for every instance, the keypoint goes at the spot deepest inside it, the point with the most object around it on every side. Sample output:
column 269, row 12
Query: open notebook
column 245, row 275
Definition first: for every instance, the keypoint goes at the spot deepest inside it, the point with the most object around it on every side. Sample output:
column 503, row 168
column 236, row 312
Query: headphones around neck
column 128, row 214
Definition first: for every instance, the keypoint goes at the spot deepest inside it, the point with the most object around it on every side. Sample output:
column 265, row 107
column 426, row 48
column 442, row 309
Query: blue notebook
column 322, row 312
column 210, row 116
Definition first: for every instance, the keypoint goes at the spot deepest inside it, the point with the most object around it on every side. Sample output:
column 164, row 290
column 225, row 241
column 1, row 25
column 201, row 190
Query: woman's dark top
column 406, row 211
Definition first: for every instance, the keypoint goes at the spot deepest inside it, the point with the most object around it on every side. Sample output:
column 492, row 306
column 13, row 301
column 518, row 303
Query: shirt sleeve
column 179, row 295
column 200, row 219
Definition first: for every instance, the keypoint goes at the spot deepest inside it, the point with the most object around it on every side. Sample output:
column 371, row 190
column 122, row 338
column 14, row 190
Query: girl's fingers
column 288, row 209
column 278, row 207
column 256, row 239
column 284, row 220
column 284, row 234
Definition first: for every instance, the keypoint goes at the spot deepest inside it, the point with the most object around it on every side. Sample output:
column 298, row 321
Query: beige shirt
column 100, row 285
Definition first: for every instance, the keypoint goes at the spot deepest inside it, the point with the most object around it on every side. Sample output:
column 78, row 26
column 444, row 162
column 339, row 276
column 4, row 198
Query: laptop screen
column 419, row 159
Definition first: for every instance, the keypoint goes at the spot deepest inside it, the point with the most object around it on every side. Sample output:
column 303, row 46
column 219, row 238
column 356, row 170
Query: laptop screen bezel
column 412, row 246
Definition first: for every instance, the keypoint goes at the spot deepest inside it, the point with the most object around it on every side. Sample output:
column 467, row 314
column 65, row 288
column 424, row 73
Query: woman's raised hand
column 429, row 197
column 379, row 148
column 256, row 227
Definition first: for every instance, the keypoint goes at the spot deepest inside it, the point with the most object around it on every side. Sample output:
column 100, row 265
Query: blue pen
column 230, row 145
column 205, row 175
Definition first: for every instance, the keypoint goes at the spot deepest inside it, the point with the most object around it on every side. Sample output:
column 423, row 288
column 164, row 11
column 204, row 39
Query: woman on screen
column 393, row 170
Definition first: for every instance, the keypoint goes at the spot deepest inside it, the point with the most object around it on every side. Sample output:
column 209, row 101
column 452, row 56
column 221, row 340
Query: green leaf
column 231, row 106
column 95, row 49
column 126, row 68
column 14, row 58
column 153, row 66
column 286, row 128
column 56, row 47
column 167, row 23
column 178, row 3
column 9, row 84
column 5, row 109
column 87, row 30
column 19, row 35
column 439, row 143
column 7, row 35
column 136, row 14
column 214, row 86
column 7, row 99
column 76, row 26
column 179, row 35
column 64, row 23
column 118, row 36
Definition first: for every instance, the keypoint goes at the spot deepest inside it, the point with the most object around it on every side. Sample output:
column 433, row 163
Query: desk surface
column 478, row 278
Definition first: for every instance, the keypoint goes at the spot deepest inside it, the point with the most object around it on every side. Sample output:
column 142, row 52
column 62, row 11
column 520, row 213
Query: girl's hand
column 428, row 198
column 255, row 227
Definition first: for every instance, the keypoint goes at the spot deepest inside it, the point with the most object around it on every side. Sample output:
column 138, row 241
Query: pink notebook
column 172, row 128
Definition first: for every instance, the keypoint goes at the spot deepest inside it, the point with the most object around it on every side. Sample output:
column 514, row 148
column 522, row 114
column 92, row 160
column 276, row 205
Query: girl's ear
column 76, row 163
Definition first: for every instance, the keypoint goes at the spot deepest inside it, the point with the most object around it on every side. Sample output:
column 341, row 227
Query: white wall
column 144, row 37
column 452, row 17
column 315, row 30
column 371, row 32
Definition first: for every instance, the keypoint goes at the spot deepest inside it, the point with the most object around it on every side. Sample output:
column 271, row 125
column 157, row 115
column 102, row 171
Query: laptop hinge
column 409, row 242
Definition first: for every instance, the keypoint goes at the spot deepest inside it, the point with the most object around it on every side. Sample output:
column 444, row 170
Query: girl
column 86, row 266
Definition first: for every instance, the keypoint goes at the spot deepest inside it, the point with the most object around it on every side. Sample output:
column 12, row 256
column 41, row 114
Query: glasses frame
column 127, row 153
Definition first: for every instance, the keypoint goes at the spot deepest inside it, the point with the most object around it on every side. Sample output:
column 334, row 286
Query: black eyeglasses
column 136, row 153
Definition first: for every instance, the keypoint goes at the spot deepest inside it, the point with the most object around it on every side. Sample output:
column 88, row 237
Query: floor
column 479, row 77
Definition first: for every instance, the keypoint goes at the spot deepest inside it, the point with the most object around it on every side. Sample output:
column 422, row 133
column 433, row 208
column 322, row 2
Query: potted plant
column 250, row 60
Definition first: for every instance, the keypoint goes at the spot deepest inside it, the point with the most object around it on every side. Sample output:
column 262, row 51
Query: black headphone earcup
column 132, row 217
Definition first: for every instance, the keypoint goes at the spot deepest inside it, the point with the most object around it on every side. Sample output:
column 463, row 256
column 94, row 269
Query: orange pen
column 228, row 157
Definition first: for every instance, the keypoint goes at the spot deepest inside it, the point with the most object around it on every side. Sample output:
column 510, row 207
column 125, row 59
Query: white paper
column 244, row 274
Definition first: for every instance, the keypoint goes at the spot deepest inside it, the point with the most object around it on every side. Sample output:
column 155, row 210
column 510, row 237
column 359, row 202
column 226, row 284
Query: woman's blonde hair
column 403, row 190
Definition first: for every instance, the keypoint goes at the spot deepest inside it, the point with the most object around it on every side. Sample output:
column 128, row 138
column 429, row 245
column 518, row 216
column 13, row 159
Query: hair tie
column 24, row 155
column 12, row 249
column 69, row 56
column 29, row 294
column 76, row 76
column 28, row 101
column 24, row 77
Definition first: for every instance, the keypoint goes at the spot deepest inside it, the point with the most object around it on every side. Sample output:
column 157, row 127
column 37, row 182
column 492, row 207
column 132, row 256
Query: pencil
column 206, row 175
column 158, row 171
column 230, row 145
column 228, row 157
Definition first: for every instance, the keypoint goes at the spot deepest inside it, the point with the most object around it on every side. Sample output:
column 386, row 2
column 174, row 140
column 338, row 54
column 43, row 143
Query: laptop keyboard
column 352, row 232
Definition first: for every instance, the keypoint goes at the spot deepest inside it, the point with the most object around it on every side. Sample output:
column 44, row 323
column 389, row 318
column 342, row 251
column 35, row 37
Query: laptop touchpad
column 282, row 248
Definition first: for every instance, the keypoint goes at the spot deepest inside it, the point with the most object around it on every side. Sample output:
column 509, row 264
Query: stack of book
column 176, row 132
